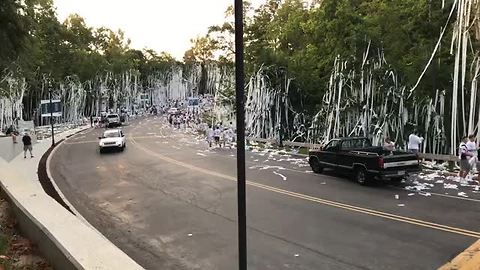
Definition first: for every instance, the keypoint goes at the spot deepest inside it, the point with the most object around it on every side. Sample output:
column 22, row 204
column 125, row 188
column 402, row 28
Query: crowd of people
column 467, row 153
column 220, row 136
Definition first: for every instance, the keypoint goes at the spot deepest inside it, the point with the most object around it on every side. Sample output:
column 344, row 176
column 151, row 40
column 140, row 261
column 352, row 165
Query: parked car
column 113, row 120
column 364, row 161
column 112, row 139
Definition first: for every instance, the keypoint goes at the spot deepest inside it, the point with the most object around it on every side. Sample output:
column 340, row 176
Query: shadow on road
column 348, row 177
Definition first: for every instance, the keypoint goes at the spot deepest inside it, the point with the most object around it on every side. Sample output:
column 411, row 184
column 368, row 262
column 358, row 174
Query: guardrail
column 427, row 156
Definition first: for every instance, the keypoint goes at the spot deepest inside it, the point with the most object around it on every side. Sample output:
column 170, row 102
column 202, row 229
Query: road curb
column 67, row 203
column 469, row 259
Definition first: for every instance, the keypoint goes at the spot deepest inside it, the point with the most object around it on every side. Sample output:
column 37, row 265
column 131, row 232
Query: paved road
column 170, row 203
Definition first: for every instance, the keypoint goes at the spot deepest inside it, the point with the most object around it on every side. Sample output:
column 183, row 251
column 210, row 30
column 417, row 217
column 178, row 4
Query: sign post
column 51, row 116
column 51, row 108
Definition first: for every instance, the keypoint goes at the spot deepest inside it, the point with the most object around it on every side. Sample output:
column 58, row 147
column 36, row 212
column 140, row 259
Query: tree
column 201, row 52
column 13, row 30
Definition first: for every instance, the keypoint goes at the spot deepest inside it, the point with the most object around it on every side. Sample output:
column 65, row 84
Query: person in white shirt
column 210, row 134
column 414, row 142
column 464, row 156
column 217, row 133
column 472, row 149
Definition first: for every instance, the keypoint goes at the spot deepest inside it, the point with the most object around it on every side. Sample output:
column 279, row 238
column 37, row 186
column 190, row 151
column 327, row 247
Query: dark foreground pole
column 240, row 108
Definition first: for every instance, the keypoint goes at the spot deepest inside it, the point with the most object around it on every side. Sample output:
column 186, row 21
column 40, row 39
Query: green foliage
column 305, row 40
column 293, row 39
column 35, row 45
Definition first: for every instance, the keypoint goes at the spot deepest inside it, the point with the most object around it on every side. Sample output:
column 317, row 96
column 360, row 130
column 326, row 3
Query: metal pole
column 240, row 110
column 51, row 116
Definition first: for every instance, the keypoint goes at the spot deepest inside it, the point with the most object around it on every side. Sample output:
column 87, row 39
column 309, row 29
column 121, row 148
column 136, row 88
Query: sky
column 162, row 25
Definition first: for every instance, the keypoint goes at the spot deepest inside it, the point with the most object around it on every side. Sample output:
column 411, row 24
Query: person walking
column 464, row 156
column 11, row 131
column 91, row 120
column 473, row 150
column 217, row 134
column 210, row 135
column 27, row 145
column 414, row 142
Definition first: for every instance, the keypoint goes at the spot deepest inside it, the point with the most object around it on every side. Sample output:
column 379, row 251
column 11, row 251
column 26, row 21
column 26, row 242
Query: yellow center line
column 367, row 211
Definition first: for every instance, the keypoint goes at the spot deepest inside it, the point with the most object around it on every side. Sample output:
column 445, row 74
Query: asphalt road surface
column 170, row 203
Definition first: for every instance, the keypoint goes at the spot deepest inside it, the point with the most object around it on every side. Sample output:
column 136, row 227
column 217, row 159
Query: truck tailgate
column 401, row 162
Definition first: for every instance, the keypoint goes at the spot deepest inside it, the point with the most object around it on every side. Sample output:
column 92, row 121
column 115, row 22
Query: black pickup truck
column 366, row 162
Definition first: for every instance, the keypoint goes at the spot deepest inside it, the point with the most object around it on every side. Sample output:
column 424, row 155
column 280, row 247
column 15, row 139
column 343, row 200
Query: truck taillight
column 381, row 162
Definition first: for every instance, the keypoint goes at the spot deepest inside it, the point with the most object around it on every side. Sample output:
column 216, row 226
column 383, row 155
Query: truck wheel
column 361, row 176
column 316, row 167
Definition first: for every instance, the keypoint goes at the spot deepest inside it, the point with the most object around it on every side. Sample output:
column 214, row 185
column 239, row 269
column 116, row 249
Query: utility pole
column 240, row 104
column 51, row 114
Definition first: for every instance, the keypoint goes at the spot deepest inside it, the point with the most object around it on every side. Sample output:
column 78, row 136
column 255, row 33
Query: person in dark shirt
column 27, row 145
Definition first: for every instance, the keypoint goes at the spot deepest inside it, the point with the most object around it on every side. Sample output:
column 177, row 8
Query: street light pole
column 240, row 104
column 51, row 115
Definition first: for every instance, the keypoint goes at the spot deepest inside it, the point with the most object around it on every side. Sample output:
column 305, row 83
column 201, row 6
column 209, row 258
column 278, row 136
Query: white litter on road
column 429, row 177
column 419, row 186
column 297, row 255
column 411, row 194
column 190, row 235
column 281, row 175
column 266, row 167
column 450, row 186
column 201, row 154
column 300, row 162
column 401, row 204
column 462, row 194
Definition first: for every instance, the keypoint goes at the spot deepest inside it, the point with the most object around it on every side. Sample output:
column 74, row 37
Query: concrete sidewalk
column 10, row 150
column 66, row 241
